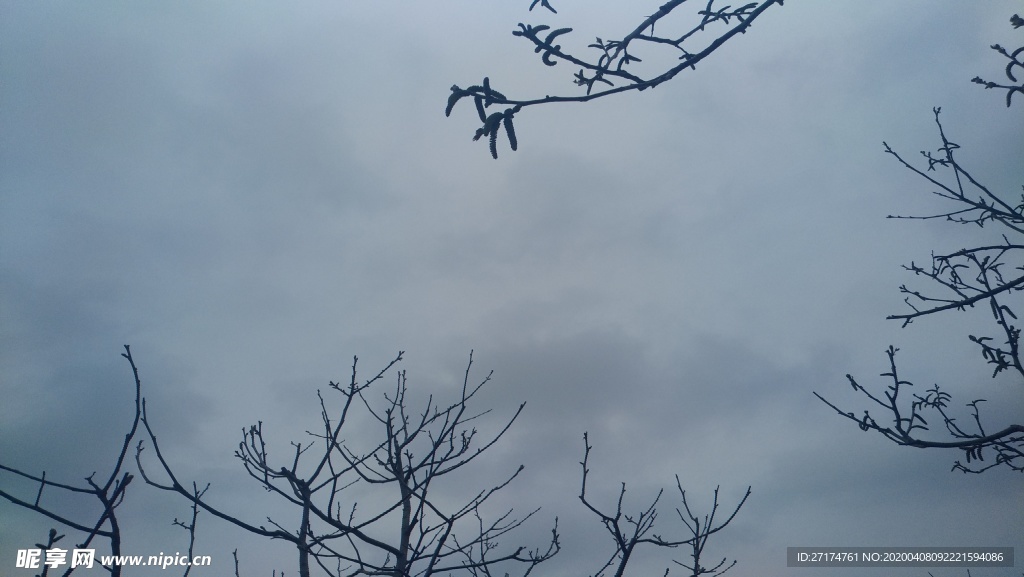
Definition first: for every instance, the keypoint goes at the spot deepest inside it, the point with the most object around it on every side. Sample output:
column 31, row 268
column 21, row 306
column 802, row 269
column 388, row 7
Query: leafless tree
column 630, row 531
column 411, row 462
column 110, row 494
column 990, row 275
column 413, row 454
column 613, row 65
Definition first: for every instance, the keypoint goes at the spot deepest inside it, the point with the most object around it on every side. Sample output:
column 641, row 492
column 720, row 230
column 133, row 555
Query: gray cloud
column 251, row 197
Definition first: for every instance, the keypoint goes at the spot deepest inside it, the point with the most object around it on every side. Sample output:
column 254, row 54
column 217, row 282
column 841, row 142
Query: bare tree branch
column 110, row 494
column 630, row 531
column 610, row 67
column 413, row 453
column 908, row 426
column 1016, row 60
column 966, row 277
column 702, row 530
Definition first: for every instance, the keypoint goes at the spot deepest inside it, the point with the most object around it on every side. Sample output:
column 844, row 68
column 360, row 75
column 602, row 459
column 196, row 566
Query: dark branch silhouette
column 701, row 530
column 1016, row 60
column 630, row 531
column 110, row 493
column 990, row 275
column 414, row 452
column 909, row 423
column 610, row 68
column 415, row 530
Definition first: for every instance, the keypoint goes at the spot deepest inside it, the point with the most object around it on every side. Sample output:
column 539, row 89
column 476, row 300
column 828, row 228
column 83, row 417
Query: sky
column 252, row 195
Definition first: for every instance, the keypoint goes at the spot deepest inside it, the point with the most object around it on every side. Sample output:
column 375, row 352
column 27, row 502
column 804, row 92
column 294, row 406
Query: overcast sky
column 250, row 195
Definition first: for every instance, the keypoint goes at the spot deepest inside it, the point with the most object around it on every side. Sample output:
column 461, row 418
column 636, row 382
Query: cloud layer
column 251, row 196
